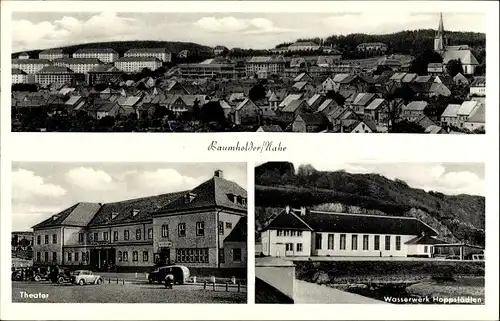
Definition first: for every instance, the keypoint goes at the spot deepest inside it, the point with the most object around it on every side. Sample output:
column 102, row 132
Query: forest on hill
column 462, row 215
column 197, row 52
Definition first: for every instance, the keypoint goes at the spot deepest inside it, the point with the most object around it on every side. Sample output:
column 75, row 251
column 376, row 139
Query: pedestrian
column 169, row 281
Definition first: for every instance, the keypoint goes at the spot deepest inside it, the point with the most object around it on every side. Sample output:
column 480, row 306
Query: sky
column 447, row 178
column 40, row 190
column 42, row 30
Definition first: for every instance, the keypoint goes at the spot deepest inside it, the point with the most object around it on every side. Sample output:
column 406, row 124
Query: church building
column 455, row 52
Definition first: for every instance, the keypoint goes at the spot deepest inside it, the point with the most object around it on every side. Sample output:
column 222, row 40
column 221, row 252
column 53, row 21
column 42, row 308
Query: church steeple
column 440, row 42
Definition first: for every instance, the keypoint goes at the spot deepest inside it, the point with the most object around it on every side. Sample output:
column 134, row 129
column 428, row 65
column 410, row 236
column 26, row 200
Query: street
column 45, row 292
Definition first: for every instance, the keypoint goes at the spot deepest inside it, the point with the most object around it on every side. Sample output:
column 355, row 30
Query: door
column 164, row 258
column 289, row 249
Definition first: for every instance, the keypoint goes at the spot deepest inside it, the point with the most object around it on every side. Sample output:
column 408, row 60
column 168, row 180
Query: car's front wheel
column 60, row 280
column 81, row 282
column 38, row 278
column 99, row 281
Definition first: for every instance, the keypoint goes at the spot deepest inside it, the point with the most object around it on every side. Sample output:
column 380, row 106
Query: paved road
column 119, row 293
column 305, row 292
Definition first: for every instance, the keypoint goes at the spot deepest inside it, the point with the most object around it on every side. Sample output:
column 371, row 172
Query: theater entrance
column 102, row 259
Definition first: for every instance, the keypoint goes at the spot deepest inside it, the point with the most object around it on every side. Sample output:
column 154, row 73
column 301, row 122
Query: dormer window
column 113, row 215
column 189, row 197
column 55, row 217
column 238, row 199
column 135, row 212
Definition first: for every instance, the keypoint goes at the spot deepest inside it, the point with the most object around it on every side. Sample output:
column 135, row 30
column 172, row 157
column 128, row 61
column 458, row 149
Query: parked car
column 82, row 277
column 180, row 273
column 63, row 276
column 40, row 273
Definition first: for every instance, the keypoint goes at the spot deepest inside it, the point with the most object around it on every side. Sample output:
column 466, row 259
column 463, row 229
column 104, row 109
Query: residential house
column 219, row 50
column 466, row 110
column 315, row 101
column 429, row 126
column 235, row 246
column 264, row 67
column 137, row 64
column 476, row 119
column 327, row 106
column 439, row 89
column 78, row 65
column 246, row 113
column 355, row 83
column 460, row 79
column 54, row 74
column 183, row 54
column 372, row 46
column 306, row 233
column 288, row 99
column 303, row 87
column 310, row 123
column 328, row 85
column 478, row 86
column 414, row 110
column 103, row 54
column 450, row 116
column 360, row 102
column 161, row 53
column 19, row 76
column 107, row 108
column 303, row 46
column 328, row 61
column 358, row 126
column 298, row 62
column 378, row 111
column 290, row 112
column 269, row 129
column 23, row 56
column 435, row 68
column 341, row 114
column 303, row 77
column 30, row 66
column 51, row 54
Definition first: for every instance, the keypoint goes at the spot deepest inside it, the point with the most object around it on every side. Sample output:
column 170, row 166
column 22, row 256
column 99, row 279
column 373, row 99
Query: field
column 123, row 293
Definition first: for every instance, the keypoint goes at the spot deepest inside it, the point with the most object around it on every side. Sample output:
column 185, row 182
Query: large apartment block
column 315, row 233
column 52, row 54
column 103, row 54
column 55, row 74
column 161, row 53
column 204, row 228
column 137, row 64
column 30, row 66
column 78, row 65
column 264, row 67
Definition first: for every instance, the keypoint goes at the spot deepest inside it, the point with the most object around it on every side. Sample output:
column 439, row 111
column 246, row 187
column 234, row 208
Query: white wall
column 419, row 249
column 50, row 247
column 274, row 245
column 336, row 251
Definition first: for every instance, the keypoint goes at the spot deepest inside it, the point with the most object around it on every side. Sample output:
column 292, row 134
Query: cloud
column 26, row 184
column 164, row 180
column 234, row 25
column 89, row 179
column 69, row 30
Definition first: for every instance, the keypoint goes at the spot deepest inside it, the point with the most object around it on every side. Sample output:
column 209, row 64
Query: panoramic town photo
column 381, row 233
column 129, row 232
column 249, row 72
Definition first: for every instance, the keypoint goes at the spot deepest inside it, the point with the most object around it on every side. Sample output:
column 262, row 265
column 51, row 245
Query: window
column 126, row 235
column 289, row 246
column 342, row 241
column 96, row 236
column 398, row 243
column 292, row 233
column 299, row 247
column 54, row 256
column 145, row 256
column 164, row 231
column 38, row 240
column 365, row 243
column 200, row 228
column 38, row 256
column 229, row 225
column 221, row 256
column 221, row 227
column 89, row 237
column 279, row 233
column 192, row 255
column 286, row 233
column 237, row 255
column 46, row 239
column 138, row 233
column 125, row 256
column 181, row 229
column 387, row 242
column 135, row 256
column 46, row 256
column 54, row 238
column 69, row 256
column 120, row 257
column 331, row 241
column 115, row 235
column 377, row 243
column 76, row 257
column 105, row 236
column 318, row 242
column 299, row 233
column 80, row 238
column 425, row 248
column 354, row 242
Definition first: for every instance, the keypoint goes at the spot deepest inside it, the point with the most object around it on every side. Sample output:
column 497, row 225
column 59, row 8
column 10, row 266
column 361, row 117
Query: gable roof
column 288, row 99
column 239, row 232
column 416, row 105
column 124, row 210
column 479, row 81
column 424, row 239
column 477, row 115
column 362, row 99
column 362, row 223
column 289, row 221
column 244, row 103
column 271, row 128
column 375, row 104
column 313, row 99
column 467, row 107
column 465, row 56
column 300, row 85
column 326, row 104
column 314, row 119
column 293, row 106
column 451, row 110
column 212, row 193
column 79, row 214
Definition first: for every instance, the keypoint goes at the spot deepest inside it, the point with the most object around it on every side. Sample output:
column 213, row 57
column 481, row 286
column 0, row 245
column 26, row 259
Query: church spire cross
column 441, row 26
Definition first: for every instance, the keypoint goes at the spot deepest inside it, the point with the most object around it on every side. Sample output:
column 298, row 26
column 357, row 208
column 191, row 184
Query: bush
column 443, row 273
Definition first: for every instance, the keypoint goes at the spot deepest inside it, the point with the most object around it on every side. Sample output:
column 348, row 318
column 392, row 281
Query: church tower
column 440, row 41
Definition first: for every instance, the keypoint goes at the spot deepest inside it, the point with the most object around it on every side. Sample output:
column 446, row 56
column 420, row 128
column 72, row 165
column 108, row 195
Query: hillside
column 457, row 218
column 122, row 46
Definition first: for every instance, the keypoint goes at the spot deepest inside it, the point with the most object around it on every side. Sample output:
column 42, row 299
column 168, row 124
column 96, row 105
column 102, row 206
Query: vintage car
column 180, row 273
column 82, row 277
column 40, row 273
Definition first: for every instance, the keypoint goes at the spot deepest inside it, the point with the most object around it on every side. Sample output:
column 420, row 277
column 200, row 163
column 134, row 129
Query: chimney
column 287, row 209
column 55, row 217
column 219, row 173
column 303, row 211
column 113, row 215
column 423, row 233
column 135, row 212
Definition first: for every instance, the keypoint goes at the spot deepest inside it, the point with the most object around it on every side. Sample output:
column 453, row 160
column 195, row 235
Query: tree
column 212, row 111
column 395, row 96
column 196, row 109
column 420, row 63
column 257, row 92
column 14, row 241
column 407, row 127
column 338, row 98
column 24, row 243
column 454, row 67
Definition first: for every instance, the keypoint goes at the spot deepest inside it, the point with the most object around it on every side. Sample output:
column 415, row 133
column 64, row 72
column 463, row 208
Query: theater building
column 187, row 227
column 315, row 233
